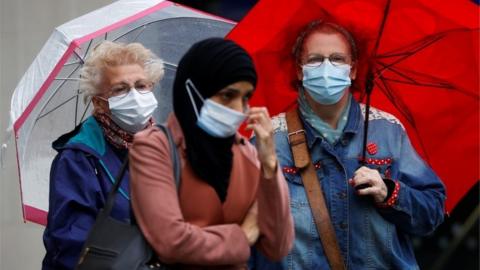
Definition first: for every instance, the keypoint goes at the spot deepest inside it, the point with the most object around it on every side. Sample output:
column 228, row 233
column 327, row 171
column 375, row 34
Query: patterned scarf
column 324, row 129
column 114, row 134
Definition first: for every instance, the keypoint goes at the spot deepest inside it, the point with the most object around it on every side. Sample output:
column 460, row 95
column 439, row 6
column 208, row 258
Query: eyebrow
column 127, row 84
column 334, row 53
column 237, row 91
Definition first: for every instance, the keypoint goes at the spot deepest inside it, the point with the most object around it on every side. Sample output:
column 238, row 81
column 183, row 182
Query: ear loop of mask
column 189, row 86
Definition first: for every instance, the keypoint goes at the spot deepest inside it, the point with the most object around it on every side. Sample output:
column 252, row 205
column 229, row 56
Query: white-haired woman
column 119, row 79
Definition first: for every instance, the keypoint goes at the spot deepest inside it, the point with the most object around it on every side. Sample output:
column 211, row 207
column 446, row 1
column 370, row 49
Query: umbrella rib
column 440, row 86
column 382, row 27
column 136, row 28
column 403, row 109
column 79, row 57
column 67, row 79
column 423, row 44
column 58, row 87
column 413, row 81
column 76, row 107
column 146, row 24
column 443, row 86
column 140, row 32
column 58, row 106
column 72, row 63
column 88, row 48
column 406, row 55
column 85, row 111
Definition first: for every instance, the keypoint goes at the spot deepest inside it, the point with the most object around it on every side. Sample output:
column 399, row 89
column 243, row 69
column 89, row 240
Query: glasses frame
column 331, row 59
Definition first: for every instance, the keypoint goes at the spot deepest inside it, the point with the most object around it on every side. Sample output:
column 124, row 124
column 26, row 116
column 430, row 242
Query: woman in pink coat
column 232, row 194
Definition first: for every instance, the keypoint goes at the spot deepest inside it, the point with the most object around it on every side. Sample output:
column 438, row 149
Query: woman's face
column 235, row 96
column 119, row 80
column 326, row 45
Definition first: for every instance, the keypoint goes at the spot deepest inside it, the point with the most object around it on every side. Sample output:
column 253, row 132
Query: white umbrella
column 47, row 103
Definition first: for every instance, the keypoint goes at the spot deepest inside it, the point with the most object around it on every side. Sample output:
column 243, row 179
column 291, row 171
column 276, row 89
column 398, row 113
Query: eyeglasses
column 122, row 89
column 335, row 59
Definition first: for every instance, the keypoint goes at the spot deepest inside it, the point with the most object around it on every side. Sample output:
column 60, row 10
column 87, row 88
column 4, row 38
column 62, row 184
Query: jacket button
column 342, row 195
column 343, row 225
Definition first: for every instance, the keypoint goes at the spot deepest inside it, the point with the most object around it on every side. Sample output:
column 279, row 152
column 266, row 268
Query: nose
column 238, row 105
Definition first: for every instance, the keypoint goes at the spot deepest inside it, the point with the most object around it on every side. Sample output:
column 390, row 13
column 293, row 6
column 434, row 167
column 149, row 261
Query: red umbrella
column 422, row 57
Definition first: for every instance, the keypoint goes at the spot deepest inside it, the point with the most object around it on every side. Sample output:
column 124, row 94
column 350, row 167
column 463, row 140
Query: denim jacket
column 370, row 237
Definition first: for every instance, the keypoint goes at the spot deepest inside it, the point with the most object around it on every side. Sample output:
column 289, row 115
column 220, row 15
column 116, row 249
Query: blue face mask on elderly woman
column 214, row 118
column 326, row 83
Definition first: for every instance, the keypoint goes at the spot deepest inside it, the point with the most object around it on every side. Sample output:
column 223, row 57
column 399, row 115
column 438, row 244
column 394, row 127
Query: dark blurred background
column 454, row 245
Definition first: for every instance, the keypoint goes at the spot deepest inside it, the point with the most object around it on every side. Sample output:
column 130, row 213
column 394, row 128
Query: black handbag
column 116, row 245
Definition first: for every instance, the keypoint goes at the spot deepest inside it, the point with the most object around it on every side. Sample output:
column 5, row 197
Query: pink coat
column 195, row 229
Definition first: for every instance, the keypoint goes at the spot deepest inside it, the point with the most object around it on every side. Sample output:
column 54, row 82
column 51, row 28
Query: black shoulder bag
column 115, row 245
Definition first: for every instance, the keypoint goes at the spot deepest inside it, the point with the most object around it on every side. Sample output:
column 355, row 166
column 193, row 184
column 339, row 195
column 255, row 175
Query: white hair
column 111, row 54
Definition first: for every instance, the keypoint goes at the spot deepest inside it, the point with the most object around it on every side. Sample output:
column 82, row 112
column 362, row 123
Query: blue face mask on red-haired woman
column 326, row 83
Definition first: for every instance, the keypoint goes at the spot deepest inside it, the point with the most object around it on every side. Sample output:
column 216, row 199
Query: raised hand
column 259, row 121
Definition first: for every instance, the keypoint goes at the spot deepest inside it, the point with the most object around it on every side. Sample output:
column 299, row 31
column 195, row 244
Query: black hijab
column 211, row 65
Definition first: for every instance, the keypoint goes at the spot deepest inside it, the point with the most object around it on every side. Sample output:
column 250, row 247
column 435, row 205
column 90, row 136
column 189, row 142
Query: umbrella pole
column 368, row 90
column 369, row 82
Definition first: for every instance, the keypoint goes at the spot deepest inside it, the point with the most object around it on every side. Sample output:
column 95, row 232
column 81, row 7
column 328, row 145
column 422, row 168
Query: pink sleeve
column 156, row 207
column 275, row 220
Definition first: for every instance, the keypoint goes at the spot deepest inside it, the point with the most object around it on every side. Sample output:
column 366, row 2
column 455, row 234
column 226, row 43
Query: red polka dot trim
column 290, row 170
column 294, row 170
column 393, row 198
column 378, row 161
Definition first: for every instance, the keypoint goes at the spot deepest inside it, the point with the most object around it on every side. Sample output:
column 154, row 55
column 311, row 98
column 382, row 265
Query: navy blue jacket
column 81, row 176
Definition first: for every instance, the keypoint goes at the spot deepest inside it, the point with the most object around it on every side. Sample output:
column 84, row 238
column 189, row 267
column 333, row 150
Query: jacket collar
column 352, row 127
column 88, row 137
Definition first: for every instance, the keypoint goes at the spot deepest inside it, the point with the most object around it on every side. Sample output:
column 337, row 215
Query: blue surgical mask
column 326, row 83
column 214, row 118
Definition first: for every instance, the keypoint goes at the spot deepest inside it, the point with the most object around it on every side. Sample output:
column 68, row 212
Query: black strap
column 173, row 153
column 118, row 180
column 113, row 192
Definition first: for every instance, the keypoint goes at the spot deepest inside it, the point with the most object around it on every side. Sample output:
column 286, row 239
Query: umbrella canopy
column 47, row 103
column 423, row 58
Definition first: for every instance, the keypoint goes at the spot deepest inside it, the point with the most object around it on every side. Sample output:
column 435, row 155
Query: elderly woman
column 373, row 206
column 119, row 79
column 211, row 221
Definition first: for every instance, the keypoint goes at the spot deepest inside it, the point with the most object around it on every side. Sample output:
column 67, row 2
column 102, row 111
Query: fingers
column 368, row 181
column 259, row 121
column 253, row 209
column 364, row 177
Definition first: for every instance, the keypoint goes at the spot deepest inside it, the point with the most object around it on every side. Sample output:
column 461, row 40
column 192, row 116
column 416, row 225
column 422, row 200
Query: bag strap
column 301, row 157
column 118, row 180
column 173, row 153
column 113, row 192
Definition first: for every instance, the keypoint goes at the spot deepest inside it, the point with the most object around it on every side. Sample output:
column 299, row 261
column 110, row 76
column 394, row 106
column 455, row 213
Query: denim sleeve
column 74, row 195
column 420, row 205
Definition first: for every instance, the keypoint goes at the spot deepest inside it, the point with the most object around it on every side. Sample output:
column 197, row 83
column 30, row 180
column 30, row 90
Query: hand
column 250, row 225
column 259, row 121
column 373, row 182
